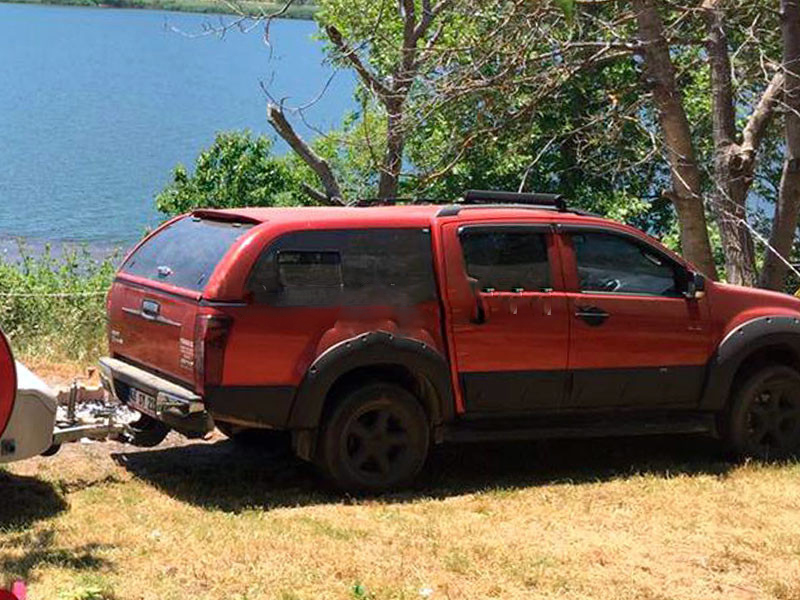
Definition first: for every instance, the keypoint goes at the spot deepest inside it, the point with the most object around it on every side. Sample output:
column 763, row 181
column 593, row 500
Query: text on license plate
column 143, row 402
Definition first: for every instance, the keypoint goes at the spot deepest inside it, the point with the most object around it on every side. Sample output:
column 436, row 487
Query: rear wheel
column 764, row 416
column 375, row 439
column 145, row 432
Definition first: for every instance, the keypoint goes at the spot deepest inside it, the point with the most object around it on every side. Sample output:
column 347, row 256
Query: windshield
column 186, row 253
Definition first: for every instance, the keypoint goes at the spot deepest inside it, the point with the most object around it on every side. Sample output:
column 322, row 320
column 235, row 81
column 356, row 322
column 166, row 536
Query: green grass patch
column 53, row 308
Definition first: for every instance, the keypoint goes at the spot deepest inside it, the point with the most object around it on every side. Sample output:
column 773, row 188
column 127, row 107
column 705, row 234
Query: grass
column 53, row 309
column 650, row 518
column 296, row 11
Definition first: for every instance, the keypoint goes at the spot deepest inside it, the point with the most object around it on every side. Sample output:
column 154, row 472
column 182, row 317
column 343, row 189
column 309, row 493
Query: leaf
column 568, row 7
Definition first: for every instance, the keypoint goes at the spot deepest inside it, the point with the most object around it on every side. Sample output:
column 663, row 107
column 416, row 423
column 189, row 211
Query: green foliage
column 91, row 592
column 55, row 307
column 568, row 6
column 360, row 592
column 237, row 170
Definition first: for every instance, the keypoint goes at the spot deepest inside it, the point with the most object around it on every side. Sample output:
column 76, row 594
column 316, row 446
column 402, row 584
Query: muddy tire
column 145, row 432
column 763, row 420
column 375, row 439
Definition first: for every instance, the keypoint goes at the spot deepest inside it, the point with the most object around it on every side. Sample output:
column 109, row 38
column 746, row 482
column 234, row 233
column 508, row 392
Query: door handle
column 592, row 315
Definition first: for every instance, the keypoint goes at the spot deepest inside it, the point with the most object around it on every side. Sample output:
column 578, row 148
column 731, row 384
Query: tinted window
column 309, row 269
column 507, row 261
column 186, row 253
column 345, row 267
column 614, row 264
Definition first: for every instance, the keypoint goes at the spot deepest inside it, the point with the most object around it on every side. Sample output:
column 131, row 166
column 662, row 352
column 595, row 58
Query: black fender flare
column 741, row 343
column 371, row 349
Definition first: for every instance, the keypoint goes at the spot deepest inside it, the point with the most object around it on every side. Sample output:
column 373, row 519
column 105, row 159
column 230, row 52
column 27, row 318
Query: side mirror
column 695, row 285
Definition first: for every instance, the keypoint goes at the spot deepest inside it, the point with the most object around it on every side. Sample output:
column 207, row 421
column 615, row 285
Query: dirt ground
column 635, row 518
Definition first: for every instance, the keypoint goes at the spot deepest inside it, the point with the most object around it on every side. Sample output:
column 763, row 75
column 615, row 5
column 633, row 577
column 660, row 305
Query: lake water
column 98, row 105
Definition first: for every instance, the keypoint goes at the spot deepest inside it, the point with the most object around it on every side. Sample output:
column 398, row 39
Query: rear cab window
column 185, row 253
column 354, row 267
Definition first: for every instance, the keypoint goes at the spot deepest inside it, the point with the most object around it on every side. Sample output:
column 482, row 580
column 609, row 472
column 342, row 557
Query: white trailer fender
column 29, row 430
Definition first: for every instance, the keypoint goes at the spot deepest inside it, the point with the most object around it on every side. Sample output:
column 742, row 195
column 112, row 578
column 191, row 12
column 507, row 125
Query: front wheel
column 375, row 439
column 764, row 416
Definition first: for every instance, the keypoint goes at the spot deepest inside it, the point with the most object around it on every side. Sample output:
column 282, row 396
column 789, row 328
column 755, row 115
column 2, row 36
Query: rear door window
column 507, row 261
column 185, row 253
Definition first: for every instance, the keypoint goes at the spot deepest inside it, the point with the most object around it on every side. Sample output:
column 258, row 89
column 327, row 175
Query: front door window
column 612, row 264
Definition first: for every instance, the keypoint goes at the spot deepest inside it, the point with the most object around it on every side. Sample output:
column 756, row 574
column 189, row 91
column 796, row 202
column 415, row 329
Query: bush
column 54, row 308
column 237, row 170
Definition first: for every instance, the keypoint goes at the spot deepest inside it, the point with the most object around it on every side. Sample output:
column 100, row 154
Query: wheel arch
column 748, row 347
column 410, row 363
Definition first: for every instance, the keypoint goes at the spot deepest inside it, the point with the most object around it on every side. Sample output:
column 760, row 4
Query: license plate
column 142, row 402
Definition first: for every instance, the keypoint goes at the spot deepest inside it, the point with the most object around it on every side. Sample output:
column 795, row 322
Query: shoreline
column 12, row 249
column 254, row 9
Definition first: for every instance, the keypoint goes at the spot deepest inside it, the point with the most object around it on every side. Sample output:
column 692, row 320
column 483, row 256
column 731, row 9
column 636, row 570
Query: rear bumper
column 175, row 405
column 245, row 406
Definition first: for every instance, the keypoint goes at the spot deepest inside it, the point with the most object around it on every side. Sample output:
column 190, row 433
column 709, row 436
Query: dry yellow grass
column 649, row 518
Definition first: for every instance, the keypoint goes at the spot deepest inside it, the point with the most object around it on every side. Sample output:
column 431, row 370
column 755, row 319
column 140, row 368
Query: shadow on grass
column 225, row 477
column 38, row 549
column 25, row 500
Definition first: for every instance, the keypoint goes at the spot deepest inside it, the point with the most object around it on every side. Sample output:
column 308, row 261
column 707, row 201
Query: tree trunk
column 395, row 145
column 784, row 224
column 732, row 174
column 686, row 184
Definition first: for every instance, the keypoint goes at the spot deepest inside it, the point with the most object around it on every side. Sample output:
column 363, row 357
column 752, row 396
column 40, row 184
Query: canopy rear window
column 186, row 253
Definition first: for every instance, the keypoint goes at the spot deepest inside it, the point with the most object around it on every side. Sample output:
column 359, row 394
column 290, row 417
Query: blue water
column 98, row 105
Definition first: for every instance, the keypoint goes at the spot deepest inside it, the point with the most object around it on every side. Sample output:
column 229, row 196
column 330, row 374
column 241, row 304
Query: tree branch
column 429, row 15
column 757, row 123
column 371, row 81
column 333, row 193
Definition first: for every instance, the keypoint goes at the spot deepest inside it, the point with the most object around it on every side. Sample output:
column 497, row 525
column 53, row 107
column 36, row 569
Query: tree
column 389, row 46
column 636, row 107
column 786, row 211
column 237, row 170
column 713, row 82
column 686, row 193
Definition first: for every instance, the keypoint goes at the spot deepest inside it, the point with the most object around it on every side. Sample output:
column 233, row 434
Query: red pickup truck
column 371, row 333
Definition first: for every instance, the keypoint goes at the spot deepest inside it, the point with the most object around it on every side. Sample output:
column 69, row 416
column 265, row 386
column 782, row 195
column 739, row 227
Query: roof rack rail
column 497, row 199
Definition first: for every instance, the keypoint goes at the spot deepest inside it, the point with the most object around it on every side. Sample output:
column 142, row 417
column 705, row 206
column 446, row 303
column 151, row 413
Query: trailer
column 16, row 591
column 31, row 421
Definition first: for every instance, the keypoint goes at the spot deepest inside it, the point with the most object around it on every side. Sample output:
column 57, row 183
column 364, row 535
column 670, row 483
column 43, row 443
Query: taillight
column 210, row 336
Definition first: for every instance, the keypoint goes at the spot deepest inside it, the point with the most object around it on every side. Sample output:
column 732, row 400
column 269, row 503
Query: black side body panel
column 371, row 349
column 642, row 387
column 531, row 392
column 513, row 392
column 742, row 342
column 257, row 405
